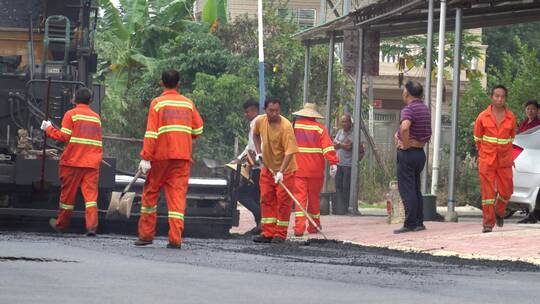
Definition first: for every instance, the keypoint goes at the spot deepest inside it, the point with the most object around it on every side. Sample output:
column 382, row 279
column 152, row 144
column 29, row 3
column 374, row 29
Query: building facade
column 306, row 12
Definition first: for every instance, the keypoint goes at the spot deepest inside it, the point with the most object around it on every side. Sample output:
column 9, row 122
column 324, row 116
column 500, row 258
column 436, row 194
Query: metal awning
column 393, row 18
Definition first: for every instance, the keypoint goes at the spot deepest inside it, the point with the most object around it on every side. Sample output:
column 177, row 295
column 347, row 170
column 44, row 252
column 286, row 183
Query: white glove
column 278, row 178
column 258, row 158
column 45, row 124
column 145, row 165
column 333, row 170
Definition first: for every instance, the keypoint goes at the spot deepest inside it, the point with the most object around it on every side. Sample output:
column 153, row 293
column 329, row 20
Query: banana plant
column 214, row 13
column 129, row 40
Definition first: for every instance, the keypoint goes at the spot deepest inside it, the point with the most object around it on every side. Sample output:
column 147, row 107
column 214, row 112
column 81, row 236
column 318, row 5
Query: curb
column 448, row 253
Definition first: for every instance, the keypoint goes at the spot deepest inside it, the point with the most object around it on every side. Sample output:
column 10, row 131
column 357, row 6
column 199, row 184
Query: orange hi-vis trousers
column 71, row 178
column 307, row 191
column 173, row 176
column 496, row 186
column 276, row 204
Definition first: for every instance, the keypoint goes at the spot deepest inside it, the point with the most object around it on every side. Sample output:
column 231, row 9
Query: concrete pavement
column 513, row 242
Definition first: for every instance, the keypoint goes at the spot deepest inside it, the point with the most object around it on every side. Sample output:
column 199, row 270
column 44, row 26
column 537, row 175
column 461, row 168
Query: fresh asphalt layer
column 47, row 268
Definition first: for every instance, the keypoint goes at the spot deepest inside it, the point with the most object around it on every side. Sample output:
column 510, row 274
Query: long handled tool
column 42, row 184
column 299, row 205
column 121, row 202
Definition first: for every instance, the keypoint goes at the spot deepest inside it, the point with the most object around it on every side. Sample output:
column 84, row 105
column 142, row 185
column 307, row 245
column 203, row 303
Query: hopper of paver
column 211, row 206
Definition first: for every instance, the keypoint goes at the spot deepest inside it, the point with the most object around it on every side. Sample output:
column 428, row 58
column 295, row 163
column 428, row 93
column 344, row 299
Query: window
column 285, row 13
column 305, row 18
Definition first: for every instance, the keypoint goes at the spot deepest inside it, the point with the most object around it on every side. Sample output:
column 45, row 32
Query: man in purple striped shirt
column 414, row 132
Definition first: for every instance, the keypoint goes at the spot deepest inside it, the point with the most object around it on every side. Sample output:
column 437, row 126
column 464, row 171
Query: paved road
column 45, row 268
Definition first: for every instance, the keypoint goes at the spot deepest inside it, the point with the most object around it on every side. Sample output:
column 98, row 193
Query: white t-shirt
column 251, row 143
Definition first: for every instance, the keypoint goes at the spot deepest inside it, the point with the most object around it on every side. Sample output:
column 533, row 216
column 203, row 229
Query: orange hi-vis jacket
column 494, row 142
column 173, row 121
column 314, row 145
column 81, row 130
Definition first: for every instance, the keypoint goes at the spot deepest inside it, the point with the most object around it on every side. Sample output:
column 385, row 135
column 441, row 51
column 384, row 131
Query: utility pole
column 262, row 92
column 451, row 215
column 427, row 87
column 438, row 105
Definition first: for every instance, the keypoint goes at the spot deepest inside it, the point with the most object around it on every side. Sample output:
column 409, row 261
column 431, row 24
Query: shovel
column 121, row 202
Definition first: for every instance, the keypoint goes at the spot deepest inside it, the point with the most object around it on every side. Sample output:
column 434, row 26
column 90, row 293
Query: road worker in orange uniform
column 173, row 121
column 79, row 164
column 275, row 145
column 314, row 145
column 494, row 131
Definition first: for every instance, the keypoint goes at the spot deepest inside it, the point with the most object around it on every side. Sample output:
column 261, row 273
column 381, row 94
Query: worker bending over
column 173, row 121
column 276, row 135
column 494, row 131
column 314, row 145
column 79, row 163
column 249, row 193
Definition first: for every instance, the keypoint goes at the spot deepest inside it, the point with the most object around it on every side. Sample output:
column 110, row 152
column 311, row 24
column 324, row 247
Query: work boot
column 277, row 240
column 420, row 228
column 174, row 246
column 52, row 223
column 499, row 220
column 403, row 230
column 487, row 229
column 91, row 233
column 262, row 239
column 140, row 242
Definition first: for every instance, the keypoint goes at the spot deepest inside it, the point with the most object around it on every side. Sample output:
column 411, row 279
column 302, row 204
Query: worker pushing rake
column 276, row 148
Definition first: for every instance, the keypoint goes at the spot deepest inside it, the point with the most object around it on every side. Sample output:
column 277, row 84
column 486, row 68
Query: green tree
column 500, row 39
column 219, row 100
column 520, row 73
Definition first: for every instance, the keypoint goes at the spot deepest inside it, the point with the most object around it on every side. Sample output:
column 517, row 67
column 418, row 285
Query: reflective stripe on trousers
column 71, row 179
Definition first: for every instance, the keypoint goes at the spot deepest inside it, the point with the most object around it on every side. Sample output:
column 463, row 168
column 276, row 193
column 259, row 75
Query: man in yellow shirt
column 276, row 145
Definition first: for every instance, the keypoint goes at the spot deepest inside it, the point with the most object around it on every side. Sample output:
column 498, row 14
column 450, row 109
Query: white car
column 526, row 172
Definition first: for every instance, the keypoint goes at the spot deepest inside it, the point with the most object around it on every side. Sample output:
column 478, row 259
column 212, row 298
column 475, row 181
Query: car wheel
column 508, row 213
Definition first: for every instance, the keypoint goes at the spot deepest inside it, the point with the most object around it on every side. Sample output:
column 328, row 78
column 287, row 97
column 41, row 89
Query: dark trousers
column 249, row 195
column 409, row 166
column 343, row 190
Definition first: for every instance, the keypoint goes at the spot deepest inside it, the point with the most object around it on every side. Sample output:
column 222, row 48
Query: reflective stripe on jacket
column 494, row 142
column 81, row 131
column 173, row 121
column 314, row 145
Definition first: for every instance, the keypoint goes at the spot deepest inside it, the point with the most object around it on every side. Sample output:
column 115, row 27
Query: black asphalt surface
column 47, row 268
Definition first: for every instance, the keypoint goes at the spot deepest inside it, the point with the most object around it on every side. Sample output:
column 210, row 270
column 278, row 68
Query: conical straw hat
column 309, row 110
